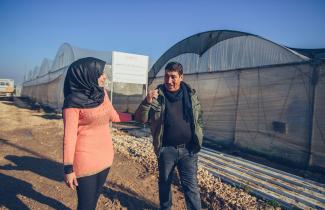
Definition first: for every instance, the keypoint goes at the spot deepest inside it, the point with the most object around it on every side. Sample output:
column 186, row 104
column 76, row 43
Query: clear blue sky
column 31, row 30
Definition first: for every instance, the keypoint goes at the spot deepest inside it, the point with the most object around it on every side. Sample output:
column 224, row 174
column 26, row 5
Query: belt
column 179, row 146
column 176, row 146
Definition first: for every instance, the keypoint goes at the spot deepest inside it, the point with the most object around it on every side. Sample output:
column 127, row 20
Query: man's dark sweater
column 177, row 131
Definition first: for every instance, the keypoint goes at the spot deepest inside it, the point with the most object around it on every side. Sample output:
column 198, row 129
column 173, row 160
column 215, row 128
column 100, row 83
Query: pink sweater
column 87, row 137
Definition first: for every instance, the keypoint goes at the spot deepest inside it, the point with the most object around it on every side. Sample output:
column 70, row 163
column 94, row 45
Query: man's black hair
column 174, row 66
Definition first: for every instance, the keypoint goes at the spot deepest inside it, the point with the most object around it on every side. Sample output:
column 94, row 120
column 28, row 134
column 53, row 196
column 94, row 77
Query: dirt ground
column 31, row 171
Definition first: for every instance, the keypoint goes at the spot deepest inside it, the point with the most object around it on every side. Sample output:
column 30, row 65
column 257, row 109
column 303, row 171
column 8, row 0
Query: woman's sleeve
column 118, row 116
column 70, row 119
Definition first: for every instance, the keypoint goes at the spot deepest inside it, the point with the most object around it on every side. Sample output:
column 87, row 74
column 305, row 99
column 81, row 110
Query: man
column 176, row 126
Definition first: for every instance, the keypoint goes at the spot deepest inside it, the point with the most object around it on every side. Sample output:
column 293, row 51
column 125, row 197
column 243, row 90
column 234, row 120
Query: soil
column 31, row 172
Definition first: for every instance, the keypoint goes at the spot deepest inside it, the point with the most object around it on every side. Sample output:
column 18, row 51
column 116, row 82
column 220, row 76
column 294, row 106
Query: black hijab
column 81, row 88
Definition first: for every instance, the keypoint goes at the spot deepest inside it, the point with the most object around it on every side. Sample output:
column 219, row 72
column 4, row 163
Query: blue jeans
column 186, row 163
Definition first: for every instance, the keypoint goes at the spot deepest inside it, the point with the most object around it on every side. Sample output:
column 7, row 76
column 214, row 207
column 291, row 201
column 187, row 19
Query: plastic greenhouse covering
column 255, row 94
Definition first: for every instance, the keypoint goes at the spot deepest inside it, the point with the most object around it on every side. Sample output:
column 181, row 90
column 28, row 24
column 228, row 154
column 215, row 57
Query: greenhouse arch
column 256, row 95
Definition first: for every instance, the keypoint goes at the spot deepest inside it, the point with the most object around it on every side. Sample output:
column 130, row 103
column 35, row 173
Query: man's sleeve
column 142, row 112
column 200, row 117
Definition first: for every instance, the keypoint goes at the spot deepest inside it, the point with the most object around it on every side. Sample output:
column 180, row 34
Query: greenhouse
column 255, row 94
column 44, row 84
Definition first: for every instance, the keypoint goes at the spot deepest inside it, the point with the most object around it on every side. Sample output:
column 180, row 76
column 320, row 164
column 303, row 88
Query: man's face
column 173, row 80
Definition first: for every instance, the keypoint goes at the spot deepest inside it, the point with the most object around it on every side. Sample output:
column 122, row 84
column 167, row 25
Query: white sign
column 129, row 68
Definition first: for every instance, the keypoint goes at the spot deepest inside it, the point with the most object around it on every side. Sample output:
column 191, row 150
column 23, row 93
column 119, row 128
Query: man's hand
column 151, row 95
column 71, row 180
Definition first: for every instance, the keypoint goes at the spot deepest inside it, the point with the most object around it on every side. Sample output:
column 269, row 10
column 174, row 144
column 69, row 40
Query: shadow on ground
column 11, row 187
column 50, row 116
column 128, row 199
column 43, row 167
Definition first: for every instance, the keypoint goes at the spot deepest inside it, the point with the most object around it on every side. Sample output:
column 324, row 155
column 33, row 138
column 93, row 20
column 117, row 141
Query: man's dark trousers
column 186, row 163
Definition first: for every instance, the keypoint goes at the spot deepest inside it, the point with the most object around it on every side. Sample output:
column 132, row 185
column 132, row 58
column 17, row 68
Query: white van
column 7, row 87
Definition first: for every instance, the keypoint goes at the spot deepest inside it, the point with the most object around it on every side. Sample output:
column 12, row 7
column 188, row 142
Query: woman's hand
column 71, row 180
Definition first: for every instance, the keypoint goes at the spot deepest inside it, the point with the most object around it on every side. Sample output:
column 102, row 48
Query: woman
column 87, row 149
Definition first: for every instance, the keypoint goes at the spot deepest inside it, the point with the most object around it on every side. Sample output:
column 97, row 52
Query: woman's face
column 101, row 80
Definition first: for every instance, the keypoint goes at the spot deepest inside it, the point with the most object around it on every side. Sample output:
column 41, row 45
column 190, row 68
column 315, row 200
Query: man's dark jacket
column 155, row 113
